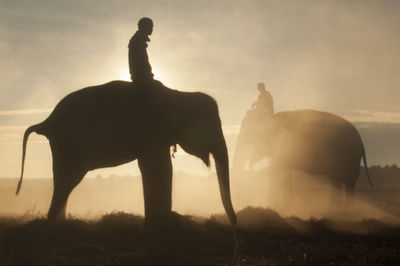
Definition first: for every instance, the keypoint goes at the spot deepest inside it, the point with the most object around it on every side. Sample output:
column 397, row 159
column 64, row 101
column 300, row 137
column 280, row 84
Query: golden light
column 161, row 75
column 122, row 73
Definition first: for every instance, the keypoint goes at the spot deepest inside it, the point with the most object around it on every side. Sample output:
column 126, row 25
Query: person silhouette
column 139, row 66
column 264, row 103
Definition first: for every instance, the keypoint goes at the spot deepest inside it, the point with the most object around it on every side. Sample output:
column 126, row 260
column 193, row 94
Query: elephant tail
column 34, row 128
column 366, row 168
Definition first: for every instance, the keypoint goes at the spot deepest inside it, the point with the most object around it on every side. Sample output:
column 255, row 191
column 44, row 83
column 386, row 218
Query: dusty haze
column 336, row 56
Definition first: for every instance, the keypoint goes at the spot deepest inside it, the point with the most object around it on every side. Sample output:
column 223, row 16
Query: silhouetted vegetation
column 263, row 238
column 387, row 176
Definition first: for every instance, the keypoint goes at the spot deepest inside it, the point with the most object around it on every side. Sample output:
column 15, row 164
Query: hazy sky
column 337, row 56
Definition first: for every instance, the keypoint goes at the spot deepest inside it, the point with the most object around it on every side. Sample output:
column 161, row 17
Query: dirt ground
column 262, row 238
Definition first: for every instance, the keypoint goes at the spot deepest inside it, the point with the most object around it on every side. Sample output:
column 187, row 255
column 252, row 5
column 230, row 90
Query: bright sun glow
column 123, row 74
column 161, row 76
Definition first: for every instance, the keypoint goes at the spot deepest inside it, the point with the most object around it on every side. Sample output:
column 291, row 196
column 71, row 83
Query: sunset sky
column 336, row 56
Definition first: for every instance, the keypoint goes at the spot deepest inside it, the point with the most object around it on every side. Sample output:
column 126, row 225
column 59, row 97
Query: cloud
column 372, row 116
column 13, row 134
column 6, row 128
column 24, row 111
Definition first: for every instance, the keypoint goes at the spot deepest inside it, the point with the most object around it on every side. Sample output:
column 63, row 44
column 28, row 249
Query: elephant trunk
column 220, row 155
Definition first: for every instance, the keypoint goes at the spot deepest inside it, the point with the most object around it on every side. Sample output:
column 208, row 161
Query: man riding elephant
column 264, row 103
column 139, row 66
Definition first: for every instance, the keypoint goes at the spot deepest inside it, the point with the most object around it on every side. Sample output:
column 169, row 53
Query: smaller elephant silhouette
column 314, row 142
column 115, row 123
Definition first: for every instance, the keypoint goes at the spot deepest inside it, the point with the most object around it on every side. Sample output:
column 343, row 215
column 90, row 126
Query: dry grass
column 262, row 238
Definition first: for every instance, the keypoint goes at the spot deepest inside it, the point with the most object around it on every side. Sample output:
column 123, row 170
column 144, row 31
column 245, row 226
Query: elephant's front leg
column 156, row 169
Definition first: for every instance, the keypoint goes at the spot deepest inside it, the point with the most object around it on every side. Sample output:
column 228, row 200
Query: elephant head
column 254, row 140
column 115, row 123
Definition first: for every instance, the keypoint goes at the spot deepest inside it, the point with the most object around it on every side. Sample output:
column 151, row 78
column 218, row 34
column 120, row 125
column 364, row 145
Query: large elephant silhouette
column 115, row 123
column 306, row 140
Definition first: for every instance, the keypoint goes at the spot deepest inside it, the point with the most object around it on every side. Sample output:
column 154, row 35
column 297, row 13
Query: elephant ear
column 197, row 138
column 206, row 159
column 203, row 155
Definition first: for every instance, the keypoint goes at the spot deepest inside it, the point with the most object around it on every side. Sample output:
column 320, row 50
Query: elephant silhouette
column 314, row 142
column 115, row 123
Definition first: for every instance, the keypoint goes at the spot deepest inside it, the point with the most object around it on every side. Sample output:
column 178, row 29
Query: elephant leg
column 351, row 181
column 282, row 184
column 287, row 189
column 64, row 181
column 156, row 169
column 336, row 187
column 350, row 186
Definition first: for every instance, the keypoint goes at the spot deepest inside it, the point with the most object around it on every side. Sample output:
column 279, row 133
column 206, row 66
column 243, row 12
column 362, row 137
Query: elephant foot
column 169, row 232
column 162, row 224
column 56, row 216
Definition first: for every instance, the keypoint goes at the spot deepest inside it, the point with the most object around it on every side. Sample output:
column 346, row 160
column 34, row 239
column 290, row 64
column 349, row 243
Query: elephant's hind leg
column 64, row 181
column 336, row 189
column 349, row 187
column 350, row 182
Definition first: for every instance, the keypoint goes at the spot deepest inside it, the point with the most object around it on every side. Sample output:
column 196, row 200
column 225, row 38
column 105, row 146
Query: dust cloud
column 307, row 197
column 312, row 55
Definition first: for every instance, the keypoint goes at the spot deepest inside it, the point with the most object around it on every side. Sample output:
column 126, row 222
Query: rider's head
column 145, row 26
column 261, row 87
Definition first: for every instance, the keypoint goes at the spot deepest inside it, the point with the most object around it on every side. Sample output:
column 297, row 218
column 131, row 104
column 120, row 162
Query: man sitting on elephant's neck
column 264, row 104
column 139, row 66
